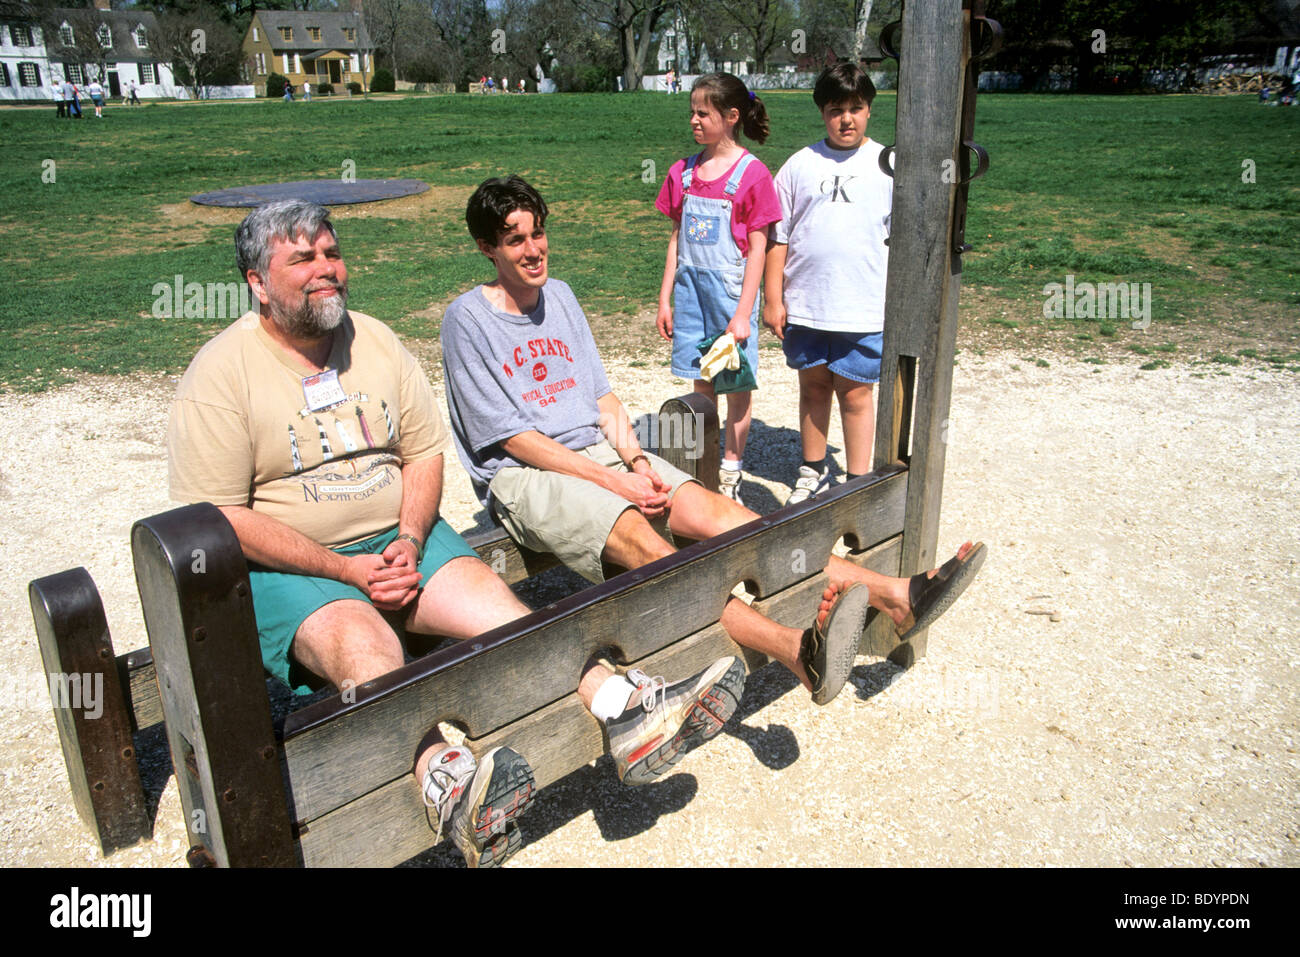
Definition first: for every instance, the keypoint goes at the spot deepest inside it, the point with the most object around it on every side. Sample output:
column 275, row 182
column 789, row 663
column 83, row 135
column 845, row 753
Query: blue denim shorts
column 853, row 355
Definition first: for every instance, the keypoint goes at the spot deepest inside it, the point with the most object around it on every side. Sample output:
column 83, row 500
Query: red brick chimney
column 103, row 5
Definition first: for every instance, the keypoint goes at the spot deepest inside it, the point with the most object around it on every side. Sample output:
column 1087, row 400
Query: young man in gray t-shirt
column 552, row 454
column 526, row 388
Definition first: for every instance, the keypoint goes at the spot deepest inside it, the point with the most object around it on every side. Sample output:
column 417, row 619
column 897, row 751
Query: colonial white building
column 30, row 62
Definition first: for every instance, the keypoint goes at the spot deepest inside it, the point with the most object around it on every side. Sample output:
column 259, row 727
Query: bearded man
column 317, row 435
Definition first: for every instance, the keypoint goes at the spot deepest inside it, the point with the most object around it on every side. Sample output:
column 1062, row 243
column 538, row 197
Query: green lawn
column 1133, row 189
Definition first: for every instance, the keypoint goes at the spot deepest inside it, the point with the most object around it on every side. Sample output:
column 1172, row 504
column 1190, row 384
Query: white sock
column 732, row 465
column 611, row 697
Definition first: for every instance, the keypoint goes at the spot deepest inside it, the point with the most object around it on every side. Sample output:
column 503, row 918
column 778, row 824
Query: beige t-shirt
column 242, row 431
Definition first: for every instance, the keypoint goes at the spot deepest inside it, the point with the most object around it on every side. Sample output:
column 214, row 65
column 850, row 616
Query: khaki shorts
column 566, row 516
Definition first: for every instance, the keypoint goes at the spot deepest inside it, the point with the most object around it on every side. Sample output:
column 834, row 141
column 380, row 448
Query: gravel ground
column 1118, row 687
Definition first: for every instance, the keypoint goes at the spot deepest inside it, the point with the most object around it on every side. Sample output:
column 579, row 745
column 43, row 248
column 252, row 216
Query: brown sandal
column 931, row 597
column 828, row 649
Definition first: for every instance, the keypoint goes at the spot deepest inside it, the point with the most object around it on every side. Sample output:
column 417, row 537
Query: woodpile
column 1244, row 83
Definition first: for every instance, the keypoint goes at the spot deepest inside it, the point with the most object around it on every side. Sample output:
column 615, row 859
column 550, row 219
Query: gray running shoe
column 809, row 484
column 729, row 484
column 477, row 803
column 670, row 720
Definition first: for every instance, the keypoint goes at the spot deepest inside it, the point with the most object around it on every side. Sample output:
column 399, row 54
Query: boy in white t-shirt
column 824, row 282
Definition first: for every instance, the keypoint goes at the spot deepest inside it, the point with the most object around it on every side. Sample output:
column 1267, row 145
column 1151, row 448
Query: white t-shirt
column 835, row 207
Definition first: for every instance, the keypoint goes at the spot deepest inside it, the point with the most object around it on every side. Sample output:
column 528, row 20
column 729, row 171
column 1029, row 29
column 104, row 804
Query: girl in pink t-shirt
column 721, row 202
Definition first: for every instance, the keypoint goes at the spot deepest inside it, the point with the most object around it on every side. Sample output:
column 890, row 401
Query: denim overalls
column 710, row 271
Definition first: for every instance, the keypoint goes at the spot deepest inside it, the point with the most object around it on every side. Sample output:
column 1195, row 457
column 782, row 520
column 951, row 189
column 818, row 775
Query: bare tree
column 634, row 23
column 765, row 22
column 384, row 21
column 202, row 49
column 860, row 30
column 703, row 27
column 461, row 37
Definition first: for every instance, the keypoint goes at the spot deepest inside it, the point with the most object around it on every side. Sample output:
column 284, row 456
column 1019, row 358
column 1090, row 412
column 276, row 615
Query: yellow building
column 310, row 47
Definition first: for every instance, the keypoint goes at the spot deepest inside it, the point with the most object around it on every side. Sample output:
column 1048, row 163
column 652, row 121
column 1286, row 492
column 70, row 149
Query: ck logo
column 835, row 186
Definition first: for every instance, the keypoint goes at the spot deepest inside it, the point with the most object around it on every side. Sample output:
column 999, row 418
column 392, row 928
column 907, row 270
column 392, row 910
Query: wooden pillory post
column 334, row 786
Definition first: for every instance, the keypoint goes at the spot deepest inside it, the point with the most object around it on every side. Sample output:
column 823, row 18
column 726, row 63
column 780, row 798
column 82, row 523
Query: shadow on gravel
column 774, row 454
column 775, row 746
column 620, row 811
column 871, row 679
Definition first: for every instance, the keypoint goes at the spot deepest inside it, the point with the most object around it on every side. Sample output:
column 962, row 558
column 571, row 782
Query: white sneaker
column 729, row 484
column 809, row 484
column 478, row 802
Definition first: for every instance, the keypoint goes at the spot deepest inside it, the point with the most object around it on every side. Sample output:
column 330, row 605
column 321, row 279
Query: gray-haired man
column 316, row 433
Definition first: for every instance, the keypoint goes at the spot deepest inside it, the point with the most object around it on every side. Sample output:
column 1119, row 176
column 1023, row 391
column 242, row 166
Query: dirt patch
column 181, row 215
column 436, row 200
column 990, row 322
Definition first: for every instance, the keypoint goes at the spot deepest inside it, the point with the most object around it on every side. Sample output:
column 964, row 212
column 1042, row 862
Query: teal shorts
column 282, row 601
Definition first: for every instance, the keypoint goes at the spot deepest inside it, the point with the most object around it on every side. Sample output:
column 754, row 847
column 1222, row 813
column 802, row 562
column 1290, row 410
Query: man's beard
column 308, row 318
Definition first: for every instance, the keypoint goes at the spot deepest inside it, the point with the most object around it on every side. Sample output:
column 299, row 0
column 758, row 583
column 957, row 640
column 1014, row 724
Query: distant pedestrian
column 135, row 100
column 522, row 87
column 288, row 92
column 58, row 98
column 306, row 91
column 670, row 80
column 96, row 92
column 67, row 98
column 74, row 110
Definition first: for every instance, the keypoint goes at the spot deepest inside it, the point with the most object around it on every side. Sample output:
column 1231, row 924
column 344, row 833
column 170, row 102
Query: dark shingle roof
column 122, row 24
column 331, row 25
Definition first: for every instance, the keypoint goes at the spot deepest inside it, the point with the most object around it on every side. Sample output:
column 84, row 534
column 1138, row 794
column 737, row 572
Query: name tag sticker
column 323, row 390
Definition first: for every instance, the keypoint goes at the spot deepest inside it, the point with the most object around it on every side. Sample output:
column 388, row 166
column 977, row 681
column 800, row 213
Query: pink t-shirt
column 755, row 205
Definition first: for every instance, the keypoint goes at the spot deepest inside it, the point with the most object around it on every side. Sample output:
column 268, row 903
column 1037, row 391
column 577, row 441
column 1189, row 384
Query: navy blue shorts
column 853, row 355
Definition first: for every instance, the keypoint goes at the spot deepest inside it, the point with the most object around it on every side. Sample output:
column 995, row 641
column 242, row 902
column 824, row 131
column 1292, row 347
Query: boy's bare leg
column 858, row 418
column 889, row 595
column 633, row 543
column 815, row 391
column 695, row 512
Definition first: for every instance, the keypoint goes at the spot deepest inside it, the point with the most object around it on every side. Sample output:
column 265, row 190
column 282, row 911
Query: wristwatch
column 640, row 455
column 419, row 545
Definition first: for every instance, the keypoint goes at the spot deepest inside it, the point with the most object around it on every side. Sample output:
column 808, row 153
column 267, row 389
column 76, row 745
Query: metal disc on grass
column 327, row 192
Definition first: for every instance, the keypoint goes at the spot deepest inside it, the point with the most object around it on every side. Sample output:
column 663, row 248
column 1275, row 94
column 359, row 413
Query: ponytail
column 728, row 92
column 754, row 120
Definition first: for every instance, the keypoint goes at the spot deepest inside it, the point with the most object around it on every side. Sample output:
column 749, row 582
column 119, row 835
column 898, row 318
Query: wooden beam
column 687, row 437
column 90, row 708
column 388, row 825
column 539, row 658
column 198, row 611
column 924, row 277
